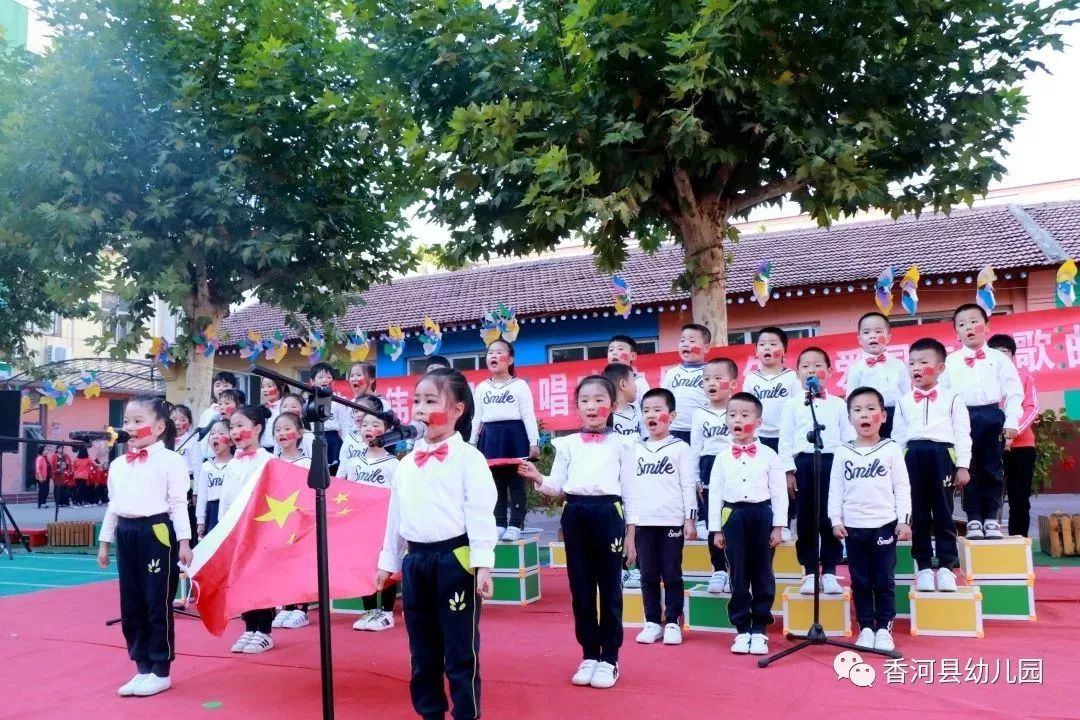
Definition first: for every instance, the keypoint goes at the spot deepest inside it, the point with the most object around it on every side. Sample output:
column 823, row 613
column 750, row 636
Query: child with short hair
column 876, row 368
column 595, row 470
column 797, row 457
column 932, row 428
column 190, row 448
column 442, row 508
column 293, row 403
column 772, row 383
column 374, row 468
column 270, row 394
column 436, row 361
column 661, row 517
column 869, row 505
column 322, row 376
column 685, row 381
column 986, row 381
column 1019, row 457
column 623, row 349
column 505, row 427
column 747, row 508
column 147, row 519
column 211, row 478
column 222, row 380
column 627, row 416
column 709, row 436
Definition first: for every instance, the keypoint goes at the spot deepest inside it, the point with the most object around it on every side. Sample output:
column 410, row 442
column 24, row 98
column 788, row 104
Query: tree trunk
column 200, row 369
column 703, row 241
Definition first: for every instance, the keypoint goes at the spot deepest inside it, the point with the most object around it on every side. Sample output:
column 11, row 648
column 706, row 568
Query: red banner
column 1048, row 344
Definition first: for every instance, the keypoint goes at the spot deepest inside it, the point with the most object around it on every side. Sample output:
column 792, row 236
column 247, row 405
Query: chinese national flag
column 262, row 553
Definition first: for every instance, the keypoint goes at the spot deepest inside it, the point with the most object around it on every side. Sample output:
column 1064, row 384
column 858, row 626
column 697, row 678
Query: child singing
column 661, row 517
column 147, row 519
column 245, row 427
column 442, row 509
column 292, row 403
column 869, row 508
column 505, row 427
column 374, row 468
column 288, row 430
column 211, row 478
column 747, row 508
column 1020, row 455
column 595, row 470
column 627, row 415
column 685, row 381
column 270, row 394
column 876, row 368
column 623, row 349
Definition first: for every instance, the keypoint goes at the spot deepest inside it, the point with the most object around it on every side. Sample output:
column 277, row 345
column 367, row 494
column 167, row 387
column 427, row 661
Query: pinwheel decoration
column 1066, row 283
column 762, row 284
column 275, row 347
column 251, row 347
column 431, row 338
column 394, row 342
column 883, row 290
column 314, row 346
column 359, row 346
column 207, row 342
column 89, row 384
column 623, row 303
column 909, row 288
column 499, row 323
column 161, row 351
column 984, row 296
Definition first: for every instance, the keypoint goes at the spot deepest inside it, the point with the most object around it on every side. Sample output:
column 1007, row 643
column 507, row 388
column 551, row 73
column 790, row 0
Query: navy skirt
column 705, row 463
column 212, row 514
column 503, row 439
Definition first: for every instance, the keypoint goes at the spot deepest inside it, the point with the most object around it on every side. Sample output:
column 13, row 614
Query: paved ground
column 28, row 572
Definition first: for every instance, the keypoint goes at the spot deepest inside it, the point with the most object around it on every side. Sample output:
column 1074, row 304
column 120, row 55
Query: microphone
column 814, row 388
column 413, row 431
column 111, row 435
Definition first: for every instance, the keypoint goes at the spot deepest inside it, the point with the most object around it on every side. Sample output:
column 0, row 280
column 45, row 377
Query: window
column 53, row 327
column 116, row 316
column 461, row 361
column 593, row 350
column 930, row 318
column 794, row 332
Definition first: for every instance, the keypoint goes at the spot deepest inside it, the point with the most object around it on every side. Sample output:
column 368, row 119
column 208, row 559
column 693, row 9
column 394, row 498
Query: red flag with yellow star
column 262, row 553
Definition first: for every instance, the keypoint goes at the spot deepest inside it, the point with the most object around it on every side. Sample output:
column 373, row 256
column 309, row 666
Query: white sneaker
column 241, row 642
column 152, row 685
column 785, row 534
column 280, row 618
column 632, row 582
column 605, row 676
column 380, row 620
column 296, row 619
column 128, row 688
column 672, row 634
column 362, row 621
column 865, row 639
column 741, row 646
column 829, row 585
column 883, row 640
column 512, row 534
column 259, row 643
column 585, row 672
column 924, row 581
column 720, row 582
column 946, row 580
column 759, row 644
column 992, row 530
column 807, row 587
column 500, row 531
column 975, row 531
column 650, row 633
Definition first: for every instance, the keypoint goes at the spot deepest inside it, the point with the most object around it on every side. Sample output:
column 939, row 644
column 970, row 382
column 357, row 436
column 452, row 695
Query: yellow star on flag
column 341, row 497
column 279, row 510
column 344, row 511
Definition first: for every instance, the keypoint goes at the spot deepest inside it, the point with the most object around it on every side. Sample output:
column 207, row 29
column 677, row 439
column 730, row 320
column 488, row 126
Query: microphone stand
column 816, row 634
column 5, row 513
column 317, row 412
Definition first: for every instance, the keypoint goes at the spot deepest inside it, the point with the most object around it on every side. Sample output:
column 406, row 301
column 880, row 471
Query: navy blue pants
column 931, row 469
column 750, row 558
column 806, row 544
column 1019, row 473
column 212, row 514
column 716, row 555
column 771, row 443
column 659, row 553
column 146, row 557
column 593, row 531
column 442, row 617
column 261, row 620
column 333, row 448
column 886, row 427
column 982, row 496
column 683, row 435
column 512, row 498
column 872, row 562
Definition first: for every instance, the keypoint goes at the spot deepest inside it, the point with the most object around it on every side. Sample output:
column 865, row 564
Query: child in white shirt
column 686, row 380
column 772, row 384
column 876, row 368
column 623, row 349
column 211, row 478
column 627, row 414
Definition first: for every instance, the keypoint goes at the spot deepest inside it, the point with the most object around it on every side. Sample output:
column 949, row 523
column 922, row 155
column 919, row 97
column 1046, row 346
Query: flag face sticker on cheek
column 664, row 417
column 242, row 435
column 144, row 432
column 603, row 412
column 438, row 418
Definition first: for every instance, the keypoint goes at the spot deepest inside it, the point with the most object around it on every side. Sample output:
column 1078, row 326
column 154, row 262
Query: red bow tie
column 593, row 437
column 920, row 396
column 979, row 355
column 245, row 454
column 875, row 359
column 439, row 453
column 136, row 455
column 738, row 450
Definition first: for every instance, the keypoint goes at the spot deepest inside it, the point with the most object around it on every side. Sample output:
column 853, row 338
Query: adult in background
column 42, row 473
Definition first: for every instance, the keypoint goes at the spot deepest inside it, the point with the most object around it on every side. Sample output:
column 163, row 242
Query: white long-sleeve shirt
column 747, row 479
column 511, row 400
column 628, row 422
column 208, row 486
column 144, row 488
column 941, row 417
column 591, row 468
column 992, row 380
column 773, row 392
column 796, row 422
column 665, row 484
column 352, row 447
column 869, row 486
column 191, row 450
column 366, row 470
column 305, row 443
column 267, row 437
column 441, row 501
column 889, row 376
column 709, row 434
column 641, row 386
column 687, row 384
column 240, row 475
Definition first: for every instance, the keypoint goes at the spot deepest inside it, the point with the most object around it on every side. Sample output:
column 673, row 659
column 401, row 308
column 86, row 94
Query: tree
column 625, row 121
column 204, row 151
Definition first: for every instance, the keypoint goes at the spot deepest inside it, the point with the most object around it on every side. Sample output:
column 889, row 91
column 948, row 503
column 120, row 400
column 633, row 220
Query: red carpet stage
column 60, row 661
